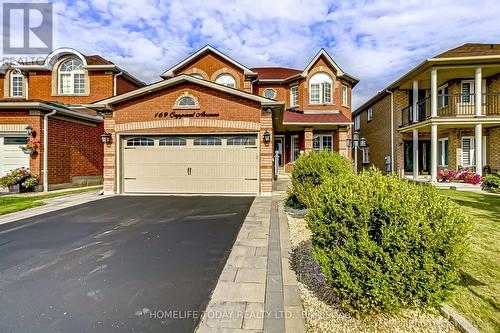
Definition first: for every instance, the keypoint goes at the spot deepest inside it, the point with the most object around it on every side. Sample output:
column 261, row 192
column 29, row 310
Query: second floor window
column 16, row 83
column 72, row 77
column 345, row 102
column 357, row 123
column 443, row 96
column 320, row 89
column 226, row 80
column 369, row 114
column 294, row 96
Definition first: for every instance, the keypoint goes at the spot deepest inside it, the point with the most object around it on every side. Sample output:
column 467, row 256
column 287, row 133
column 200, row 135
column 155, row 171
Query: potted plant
column 19, row 180
column 30, row 148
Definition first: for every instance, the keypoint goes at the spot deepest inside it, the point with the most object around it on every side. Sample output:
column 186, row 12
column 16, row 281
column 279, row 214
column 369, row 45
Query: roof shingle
column 275, row 73
column 471, row 50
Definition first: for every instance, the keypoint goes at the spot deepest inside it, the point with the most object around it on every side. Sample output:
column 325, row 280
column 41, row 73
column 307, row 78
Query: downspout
column 114, row 83
column 46, row 149
column 392, row 129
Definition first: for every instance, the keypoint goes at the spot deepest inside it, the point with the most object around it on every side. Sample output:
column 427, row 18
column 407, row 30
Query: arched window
column 320, row 89
column 16, row 83
column 72, row 77
column 186, row 101
column 226, row 80
column 197, row 75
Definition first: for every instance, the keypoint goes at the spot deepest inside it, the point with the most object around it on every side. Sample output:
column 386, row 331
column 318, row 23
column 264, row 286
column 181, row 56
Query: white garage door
column 11, row 157
column 204, row 164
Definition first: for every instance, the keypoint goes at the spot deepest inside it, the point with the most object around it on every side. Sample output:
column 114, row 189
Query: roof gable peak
column 207, row 48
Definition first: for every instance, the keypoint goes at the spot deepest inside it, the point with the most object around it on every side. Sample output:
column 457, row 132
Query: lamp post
column 356, row 143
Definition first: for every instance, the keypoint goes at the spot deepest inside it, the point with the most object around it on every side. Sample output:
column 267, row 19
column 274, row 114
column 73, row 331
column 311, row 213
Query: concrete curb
column 294, row 321
column 462, row 324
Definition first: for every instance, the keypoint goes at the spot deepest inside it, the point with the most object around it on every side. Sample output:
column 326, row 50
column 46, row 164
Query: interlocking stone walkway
column 257, row 291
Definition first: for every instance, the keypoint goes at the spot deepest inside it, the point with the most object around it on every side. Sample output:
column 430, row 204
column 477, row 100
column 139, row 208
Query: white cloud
column 376, row 41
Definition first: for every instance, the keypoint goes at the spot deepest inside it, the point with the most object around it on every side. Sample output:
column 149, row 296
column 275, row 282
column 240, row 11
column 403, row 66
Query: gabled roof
column 180, row 79
column 340, row 72
column 170, row 72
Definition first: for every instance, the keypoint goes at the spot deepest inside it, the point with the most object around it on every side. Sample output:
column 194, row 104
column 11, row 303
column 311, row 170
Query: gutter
column 392, row 129
column 46, row 149
column 114, row 82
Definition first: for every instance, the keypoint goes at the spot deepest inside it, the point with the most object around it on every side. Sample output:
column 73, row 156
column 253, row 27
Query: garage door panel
column 190, row 169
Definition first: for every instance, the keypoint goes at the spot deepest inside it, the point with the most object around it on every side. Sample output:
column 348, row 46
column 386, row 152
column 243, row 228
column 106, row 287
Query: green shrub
column 312, row 169
column 292, row 201
column 385, row 244
column 491, row 182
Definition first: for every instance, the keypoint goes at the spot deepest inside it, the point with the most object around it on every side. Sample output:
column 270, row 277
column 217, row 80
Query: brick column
column 308, row 139
column 341, row 144
column 266, row 154
column 110, row 155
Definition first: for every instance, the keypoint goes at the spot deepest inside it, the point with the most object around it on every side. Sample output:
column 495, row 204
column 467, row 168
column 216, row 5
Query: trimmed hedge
column 385, row 244
column 312, row 169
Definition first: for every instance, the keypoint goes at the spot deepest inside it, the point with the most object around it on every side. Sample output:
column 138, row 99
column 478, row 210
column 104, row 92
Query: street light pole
column 356, row 143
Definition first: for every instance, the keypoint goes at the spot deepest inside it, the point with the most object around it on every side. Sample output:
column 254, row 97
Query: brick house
column 213, row 125
column 43, row 101
column 442, row 114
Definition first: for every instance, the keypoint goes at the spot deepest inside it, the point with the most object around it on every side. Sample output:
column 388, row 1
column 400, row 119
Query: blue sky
column 376, row 41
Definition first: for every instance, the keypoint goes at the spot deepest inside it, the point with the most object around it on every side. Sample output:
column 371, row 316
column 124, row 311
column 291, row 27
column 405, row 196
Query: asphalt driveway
column 120, row 264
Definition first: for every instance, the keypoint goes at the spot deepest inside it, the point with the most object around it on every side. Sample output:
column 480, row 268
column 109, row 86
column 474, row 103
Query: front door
column 278, row 147
column 424, row 156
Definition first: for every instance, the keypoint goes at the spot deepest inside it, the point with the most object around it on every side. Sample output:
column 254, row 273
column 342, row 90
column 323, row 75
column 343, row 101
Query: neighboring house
column 443, row 114
column 43, row 102
column 214, row 125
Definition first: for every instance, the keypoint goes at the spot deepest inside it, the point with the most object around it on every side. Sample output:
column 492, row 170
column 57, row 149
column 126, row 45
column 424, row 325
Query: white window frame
column 472, row 84
column 223, row 78
column 365, row 152
column 471, row 153
column 357, row 123
column 72, row 75
column 442, row 96
column 293, row 156
column 441, row 148
column 16, row 74
column 324, row 83
column 369, row 114
column 345, row 99
column 269, row 89
column 294, row 95
column 321, row 142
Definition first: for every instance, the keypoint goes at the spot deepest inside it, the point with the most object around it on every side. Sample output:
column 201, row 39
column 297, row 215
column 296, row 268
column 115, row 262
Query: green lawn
column 10, row 204
column 478, row 296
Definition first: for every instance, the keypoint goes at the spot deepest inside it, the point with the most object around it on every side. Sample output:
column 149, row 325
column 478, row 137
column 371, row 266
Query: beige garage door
column 203, row 164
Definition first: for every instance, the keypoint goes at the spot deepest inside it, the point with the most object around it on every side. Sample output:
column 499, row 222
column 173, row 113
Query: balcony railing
column 450, row 106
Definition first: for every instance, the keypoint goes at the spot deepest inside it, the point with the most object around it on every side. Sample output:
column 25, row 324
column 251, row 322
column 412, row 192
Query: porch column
column 478, row 149
column 434, row 148
column 433, row 93
column 478, row 92
column 415, row 100
column 415, row 154
column 308, row 139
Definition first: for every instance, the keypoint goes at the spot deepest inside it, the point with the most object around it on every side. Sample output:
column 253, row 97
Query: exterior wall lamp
column 28, row 129
column 106, row 137
column 267, row 137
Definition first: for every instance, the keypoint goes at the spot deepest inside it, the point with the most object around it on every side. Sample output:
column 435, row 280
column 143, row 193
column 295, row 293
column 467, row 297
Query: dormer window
column 226, row 80
column 72, row 77
column 16, row 83
column 320, row 89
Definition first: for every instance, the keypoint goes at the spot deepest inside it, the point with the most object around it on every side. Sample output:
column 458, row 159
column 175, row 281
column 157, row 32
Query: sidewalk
column 257, row 291
column 53, row 204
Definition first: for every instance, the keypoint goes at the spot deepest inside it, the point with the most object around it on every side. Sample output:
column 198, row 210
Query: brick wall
column 123, row 85
column 75, row 149
column 493, row 148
